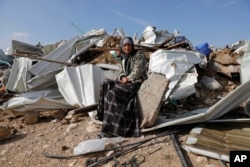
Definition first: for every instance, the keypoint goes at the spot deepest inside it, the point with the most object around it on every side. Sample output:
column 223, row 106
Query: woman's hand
column 124, row 80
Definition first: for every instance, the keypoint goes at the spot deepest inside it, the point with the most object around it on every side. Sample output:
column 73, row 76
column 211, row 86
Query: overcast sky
column 218, row 22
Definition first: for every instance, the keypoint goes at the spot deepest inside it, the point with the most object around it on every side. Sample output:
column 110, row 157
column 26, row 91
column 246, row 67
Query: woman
column 117, row 107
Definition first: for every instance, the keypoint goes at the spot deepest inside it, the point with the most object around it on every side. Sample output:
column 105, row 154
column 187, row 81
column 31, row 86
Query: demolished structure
column 67, row 75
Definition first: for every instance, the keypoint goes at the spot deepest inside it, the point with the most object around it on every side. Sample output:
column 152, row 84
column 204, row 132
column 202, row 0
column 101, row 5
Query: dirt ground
column 27, row 144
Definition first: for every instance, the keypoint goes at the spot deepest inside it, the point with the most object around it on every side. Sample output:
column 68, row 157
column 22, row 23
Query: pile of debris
column 204, row 83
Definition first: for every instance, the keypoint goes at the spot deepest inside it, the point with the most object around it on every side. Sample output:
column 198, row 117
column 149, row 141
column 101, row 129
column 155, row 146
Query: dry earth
column 26, row 145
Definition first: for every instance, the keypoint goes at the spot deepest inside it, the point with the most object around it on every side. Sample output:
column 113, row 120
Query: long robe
column 117, row 107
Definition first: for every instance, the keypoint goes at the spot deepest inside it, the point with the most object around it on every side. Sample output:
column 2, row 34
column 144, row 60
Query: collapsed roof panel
column 69, row 50
column 22, row 46
column 44, row 81
column 62, row 54
column 84, row 44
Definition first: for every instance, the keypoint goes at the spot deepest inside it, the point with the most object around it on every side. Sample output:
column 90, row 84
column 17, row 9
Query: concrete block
column 150, row 96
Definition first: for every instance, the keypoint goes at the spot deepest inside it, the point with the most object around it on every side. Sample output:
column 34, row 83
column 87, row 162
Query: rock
column 59, row 114
column 31, row 118
column 74, row 119
column 201, row 159
column 71, row 126
column 92, row 128
column 210, row 83
column 4, row 132
column 150, row 96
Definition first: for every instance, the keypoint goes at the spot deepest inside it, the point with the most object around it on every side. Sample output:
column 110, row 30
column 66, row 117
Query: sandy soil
column 27, row 144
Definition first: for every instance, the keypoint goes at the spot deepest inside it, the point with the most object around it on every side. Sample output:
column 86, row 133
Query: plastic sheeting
column 174, row 64
column 151, row 36
column 245, row 64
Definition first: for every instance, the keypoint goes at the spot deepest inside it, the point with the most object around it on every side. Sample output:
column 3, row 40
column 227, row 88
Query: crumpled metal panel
column 80, row 86
column 22, row 46
column 44, row 81
column 43, row 100
column 68, row 51
column 19, row 75
column 62, row 54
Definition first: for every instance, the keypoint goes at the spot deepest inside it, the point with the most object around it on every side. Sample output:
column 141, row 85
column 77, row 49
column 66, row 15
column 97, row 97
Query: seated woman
column 117, row 108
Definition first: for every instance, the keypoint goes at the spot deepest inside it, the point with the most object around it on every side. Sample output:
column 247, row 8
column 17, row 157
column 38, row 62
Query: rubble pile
column 66, row 76
column 220, row 66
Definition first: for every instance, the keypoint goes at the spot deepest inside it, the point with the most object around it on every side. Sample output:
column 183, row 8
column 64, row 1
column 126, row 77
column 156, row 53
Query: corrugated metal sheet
column 217, row 140
column 19, row 75
column 22, row 46
column 44, row 81
column 62, row 54
column 69, row 50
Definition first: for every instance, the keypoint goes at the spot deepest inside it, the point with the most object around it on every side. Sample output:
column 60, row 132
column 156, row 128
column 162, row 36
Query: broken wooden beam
column 176, row 45
column 166, row 41
column 37, row 56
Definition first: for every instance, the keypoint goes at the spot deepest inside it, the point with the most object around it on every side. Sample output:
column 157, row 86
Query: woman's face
column 127, row 48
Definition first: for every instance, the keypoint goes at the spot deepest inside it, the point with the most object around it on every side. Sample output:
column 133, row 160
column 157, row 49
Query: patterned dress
column 117, row 107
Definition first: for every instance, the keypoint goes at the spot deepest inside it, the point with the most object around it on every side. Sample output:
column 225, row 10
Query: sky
column 217, row 22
